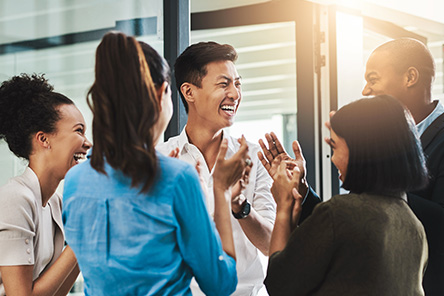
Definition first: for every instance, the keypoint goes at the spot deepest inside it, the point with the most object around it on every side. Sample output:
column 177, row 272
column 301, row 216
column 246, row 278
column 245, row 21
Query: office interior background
column 298, row 59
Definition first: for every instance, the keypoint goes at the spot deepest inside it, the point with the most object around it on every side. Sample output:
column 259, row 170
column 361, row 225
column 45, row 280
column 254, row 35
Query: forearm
column 69, row 282
column 17, row 280
column 258, row 230
column 222, row 220
column 50, row 282
column 281, row 231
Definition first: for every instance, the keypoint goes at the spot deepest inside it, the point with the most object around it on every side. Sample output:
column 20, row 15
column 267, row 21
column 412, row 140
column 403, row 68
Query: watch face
column 246, row 209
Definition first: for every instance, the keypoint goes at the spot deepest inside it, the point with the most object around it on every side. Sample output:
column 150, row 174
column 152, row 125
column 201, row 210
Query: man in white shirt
column 405, row 69
column 210, row 88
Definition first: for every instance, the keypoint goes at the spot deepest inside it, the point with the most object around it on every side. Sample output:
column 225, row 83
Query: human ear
column 42, row 140
column 161, row 91
column 187, row 91
column 412, row 76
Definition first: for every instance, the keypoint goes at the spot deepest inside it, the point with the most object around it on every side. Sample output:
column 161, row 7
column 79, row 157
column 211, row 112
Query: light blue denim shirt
column 128, row 243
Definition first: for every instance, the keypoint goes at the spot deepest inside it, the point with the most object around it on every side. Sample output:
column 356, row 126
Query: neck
column 48, row 181
column 207, row 141
column 420, row 109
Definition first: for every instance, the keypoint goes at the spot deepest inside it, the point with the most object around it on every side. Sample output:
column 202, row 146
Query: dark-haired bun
column 27, row 105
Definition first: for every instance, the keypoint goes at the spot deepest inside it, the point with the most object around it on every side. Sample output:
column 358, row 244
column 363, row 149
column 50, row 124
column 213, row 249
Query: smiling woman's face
column 68, row 143
column 340, row 154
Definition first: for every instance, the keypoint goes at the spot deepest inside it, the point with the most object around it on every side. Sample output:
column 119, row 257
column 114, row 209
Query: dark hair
column 159, row 68
column 28, row 105
column 191, row 65
column 124, row 103
column 385, row 154
column 407, row 52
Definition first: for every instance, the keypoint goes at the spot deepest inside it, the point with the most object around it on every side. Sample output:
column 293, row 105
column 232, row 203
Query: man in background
column 405, row 69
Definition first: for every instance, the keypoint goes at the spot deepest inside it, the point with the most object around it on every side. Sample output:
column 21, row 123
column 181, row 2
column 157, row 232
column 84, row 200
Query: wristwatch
column 244, row 212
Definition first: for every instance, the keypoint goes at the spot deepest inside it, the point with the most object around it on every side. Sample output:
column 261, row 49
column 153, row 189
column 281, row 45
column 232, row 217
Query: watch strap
column 244, row 212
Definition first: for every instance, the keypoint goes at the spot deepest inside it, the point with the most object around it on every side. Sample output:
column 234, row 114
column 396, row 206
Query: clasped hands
column 288, row 174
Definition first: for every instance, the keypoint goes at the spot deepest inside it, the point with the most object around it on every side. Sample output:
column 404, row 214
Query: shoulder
column 84, row 178
column 342, row 205
column 434, row 134
column 173, row 168
column 78, row 170
column 177, row 177
column 18, row 191
column 17, row 201
column 366, row 207
column 353, row 201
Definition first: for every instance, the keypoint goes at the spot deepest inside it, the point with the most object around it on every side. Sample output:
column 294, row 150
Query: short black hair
column 385, row 154
column 191, row 65
column 408, row 52
column 28, row 105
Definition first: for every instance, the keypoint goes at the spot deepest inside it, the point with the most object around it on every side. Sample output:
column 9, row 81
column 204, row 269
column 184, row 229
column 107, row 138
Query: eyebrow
column 228, row 78
column 370, row 74
column 81, row 124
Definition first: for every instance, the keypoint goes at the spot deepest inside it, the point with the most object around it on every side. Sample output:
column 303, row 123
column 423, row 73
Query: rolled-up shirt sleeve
column 17, row 228
column 198, row 239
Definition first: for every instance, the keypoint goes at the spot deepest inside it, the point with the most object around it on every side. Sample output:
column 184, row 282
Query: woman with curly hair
column 46, row 129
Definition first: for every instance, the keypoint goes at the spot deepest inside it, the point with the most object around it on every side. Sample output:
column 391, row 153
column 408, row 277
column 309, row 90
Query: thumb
column 297, row 196
column 297, row 151
column 296, row 174
column 243, row 149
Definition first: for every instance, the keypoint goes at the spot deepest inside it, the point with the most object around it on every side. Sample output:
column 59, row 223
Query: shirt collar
column 424, row 124
column 30, row 178
column 184, row 141
column 233, row 144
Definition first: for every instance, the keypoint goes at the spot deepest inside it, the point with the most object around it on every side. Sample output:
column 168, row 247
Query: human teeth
column 228, row 108
column 79, row 156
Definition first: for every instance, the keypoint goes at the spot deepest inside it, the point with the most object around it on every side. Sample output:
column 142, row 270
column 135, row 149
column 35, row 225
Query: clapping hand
column 275, row 154
column 228, row 172
column 288, row 199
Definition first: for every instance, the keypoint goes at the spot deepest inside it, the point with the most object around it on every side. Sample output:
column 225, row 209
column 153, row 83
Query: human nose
column 366, row 91
column 87, row 144
column 234, row 92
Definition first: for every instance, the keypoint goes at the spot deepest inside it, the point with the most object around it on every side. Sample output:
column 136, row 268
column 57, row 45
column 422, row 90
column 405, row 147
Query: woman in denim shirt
column 135, row 219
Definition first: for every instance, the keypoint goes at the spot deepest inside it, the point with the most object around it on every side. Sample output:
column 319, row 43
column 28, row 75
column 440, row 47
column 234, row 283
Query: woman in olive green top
column 367, row 242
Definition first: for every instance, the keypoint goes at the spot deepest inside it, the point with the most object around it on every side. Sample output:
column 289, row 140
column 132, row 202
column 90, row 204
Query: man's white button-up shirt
column 249, row 268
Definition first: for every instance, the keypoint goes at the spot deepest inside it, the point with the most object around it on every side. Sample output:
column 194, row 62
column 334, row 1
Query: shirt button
column 221, row 258
column 28, row 251
column 26, row 241
column 29, row 260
